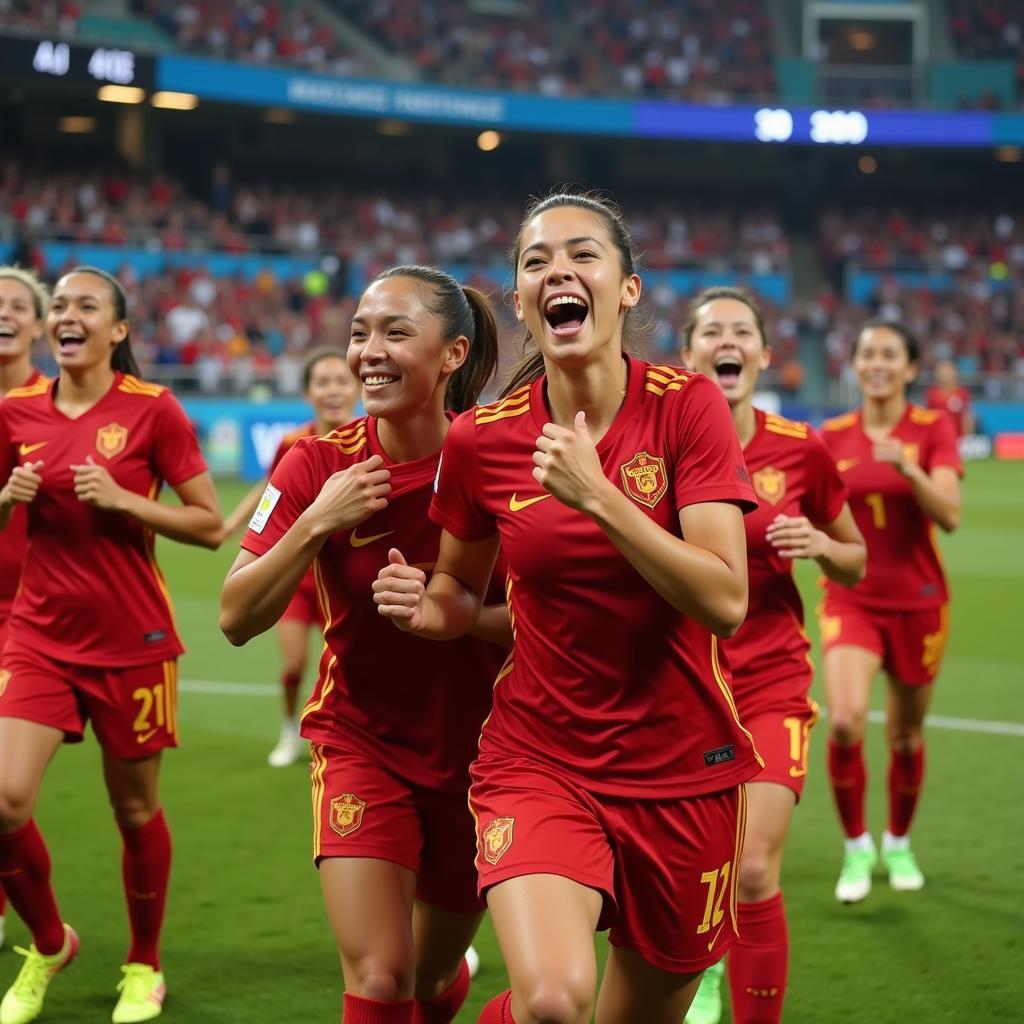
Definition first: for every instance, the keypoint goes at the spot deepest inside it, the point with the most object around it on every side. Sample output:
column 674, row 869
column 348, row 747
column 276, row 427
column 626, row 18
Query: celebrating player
column 901, row 466
column 23, row 303
column 393, row 721
column 803, row 514
column 951, row 397
column 332, row 391
column 608, row 787
column 91, row 633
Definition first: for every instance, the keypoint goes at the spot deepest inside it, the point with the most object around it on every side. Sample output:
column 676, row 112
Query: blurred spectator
column 951, row 397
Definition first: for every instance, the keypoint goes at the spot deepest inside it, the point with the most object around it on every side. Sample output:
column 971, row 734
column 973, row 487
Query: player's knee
column 134, row 811
column 759, row 875
column 905, row 739
column 383, row 981
column 846, row 727
column 558, row 1001
column 15, row 806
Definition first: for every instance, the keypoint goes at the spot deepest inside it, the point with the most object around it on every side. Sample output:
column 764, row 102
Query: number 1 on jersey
column 876, row 503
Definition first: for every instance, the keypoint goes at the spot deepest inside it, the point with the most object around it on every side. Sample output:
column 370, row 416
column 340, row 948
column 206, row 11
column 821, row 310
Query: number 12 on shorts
column 717, row 882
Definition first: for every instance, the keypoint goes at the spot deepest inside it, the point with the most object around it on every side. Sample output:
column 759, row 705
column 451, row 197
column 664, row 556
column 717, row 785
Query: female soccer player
column 332, row 391
column 393, row 721
column 803, row 514
column 901, row 466
column 91, row 632
column 23, row 303
column 608, row 788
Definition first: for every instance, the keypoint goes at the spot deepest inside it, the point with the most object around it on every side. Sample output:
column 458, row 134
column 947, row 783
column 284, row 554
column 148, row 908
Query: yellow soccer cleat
column 24, row 999
column 142, row 994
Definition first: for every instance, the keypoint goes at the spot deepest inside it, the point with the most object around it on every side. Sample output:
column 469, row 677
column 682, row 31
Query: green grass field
column 247, row 939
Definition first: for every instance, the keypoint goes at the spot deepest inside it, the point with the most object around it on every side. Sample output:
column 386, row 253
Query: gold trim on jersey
column 131, row 385
column 515, row 404
column 843, row 422
column 317, row 780
column 659, row 380
column 40, row 387
column 315, row 702
column 787, row 428
column 348, row 440
column 716, row 670
column 741, row 832
column 923, row 417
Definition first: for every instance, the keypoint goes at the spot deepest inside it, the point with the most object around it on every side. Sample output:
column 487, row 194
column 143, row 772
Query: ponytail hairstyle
column 909, row 339
column 463, row 312
column 531, row 366
column 39, row 291
column 122, row 359
column 707, row 295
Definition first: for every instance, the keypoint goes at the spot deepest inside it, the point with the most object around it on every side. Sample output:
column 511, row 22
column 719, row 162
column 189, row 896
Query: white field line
column 222, row 689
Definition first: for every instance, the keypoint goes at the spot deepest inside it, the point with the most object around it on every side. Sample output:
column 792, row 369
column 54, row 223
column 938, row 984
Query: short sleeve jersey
column 412, row 705
column 904, row 568
column 607, row 682
column 13, row 540
column 308, row 584
column 792, row 475
column 955, row 404
column 91, row 591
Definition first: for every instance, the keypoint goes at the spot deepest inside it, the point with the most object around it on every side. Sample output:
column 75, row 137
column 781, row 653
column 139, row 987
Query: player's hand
column 95, row 486
column 352, row 495
column 398, row 592
column 890, row 451
column 796, row 537
column 566, row 464
column 22, row 485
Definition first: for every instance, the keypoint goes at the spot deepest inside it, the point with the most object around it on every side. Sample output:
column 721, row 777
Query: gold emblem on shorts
column 111, row 439
column 497, row 838
column 770, row 484
column 912, row 452
column 643, row 478
column 347, row 813
column 5, row 676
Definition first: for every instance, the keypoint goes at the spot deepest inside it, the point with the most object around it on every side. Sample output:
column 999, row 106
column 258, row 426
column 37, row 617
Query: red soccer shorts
column 782, row 739
column 134, row 710
column 4, row 632
column 666, row 868
column 360, row 809
column 910, row 644
column 304, row 606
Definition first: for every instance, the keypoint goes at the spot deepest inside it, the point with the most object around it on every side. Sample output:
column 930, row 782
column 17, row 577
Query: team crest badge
column 497, row 838
column 770, row 484
column 111, row 439
column 5, row 677
column 347, row 813
column 644, row 480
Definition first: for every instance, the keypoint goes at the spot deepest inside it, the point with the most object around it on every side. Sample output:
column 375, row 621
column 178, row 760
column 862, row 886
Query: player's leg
column 369, row 904
column 634, row 990
column 292, row 637
column 904, row 727
column 545, row 926
column 849, row 673
column 442, row 973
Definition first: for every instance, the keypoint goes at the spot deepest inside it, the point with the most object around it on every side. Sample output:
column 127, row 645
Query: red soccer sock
column 291, row 680
column 357, row 1010
column 146, row 869
column 25, row 874
column 849, row 779
column 443, row 1008
column 3, row 902
column 498, row 1010
column 758, row 963
column 906, row 772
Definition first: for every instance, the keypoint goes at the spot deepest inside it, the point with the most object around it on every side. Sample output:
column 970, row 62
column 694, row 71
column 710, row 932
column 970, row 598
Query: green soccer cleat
column 142, row 994
column 859, row 860
column 900, row 862
column 24, row 999
column 706, row 1007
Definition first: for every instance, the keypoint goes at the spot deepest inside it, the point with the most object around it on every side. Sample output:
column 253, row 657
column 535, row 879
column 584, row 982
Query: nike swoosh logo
column 145, row 737
column 844, row 464
column 515, row 505
column 711, row 944
column 27, row 449
column 361, row 542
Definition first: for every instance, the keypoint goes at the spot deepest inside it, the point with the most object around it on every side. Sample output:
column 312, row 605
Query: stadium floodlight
column 77, row 125
column 175, row 100
column 488, row 141
column 121, row 94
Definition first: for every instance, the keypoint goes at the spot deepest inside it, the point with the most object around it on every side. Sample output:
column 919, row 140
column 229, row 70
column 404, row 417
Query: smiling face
column 571, row 289
column 83, row 325
column 727, row 345
column 332, row 391
column 397, row 350
column 20, row 327
column 882, row 364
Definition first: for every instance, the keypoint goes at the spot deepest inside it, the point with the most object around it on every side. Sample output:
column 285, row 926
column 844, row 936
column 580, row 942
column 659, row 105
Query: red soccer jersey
column 308, row 584
column 793, row 475
column 904, row 567
column 954, row 403
column 607, row 681
column 13, row 540
column 410, row 704
column 91, row 591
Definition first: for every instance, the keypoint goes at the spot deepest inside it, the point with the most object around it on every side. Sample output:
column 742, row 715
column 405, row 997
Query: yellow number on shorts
column 877, row 505
column 717, row 882
column 151, row 699
column 799, row 742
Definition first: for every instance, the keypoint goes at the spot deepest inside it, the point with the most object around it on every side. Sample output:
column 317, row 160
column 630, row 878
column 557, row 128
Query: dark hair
column 463, row 312
column 722, row 291
column 122, row 358
column 317, row 355
column 910, row 343
column 531, row 365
